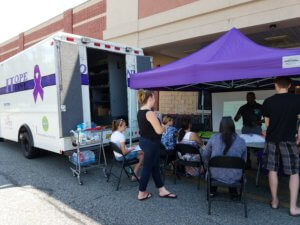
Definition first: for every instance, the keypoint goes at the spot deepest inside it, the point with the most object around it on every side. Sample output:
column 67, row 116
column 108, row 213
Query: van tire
column 27, row 146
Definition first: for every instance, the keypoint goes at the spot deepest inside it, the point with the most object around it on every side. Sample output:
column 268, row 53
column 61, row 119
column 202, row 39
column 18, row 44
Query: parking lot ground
column 43, row 191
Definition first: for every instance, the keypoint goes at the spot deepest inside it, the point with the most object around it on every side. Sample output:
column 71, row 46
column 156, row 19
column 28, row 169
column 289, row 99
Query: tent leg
column 130, row 117
column 202, row 107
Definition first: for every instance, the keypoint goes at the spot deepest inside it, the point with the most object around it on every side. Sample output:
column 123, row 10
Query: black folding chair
column 259, row 155
column 229, row 163
column 124, row 163
column 187, row 149
column 167, row 157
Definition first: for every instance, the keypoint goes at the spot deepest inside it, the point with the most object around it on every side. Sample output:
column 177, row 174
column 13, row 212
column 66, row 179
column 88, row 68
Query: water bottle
column 93, row 156
column 81, row 157
column 86, row 156
column 74, row 157
column 82, row 137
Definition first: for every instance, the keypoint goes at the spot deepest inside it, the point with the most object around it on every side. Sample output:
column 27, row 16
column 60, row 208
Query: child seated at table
column 225, row 143
column 169, row 137
column 186, row 136
column 117, row 137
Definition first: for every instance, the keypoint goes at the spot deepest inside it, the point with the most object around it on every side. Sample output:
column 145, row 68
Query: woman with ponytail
column 150, row 141
column 226, row 143
column 117, row 137
column 186, row 136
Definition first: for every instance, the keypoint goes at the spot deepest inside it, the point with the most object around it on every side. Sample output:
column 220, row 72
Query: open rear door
column 70, row 88
column 135, row 64
column 144, row 63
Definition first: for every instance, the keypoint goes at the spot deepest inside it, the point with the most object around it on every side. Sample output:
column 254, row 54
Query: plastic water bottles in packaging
column 82, row 137
column 81, row 157
column 89, row 156
column 74, row 158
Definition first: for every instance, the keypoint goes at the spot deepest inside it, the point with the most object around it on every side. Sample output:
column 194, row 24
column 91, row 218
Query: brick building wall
column 174, row 102
column 178, row 102
column 88, row 19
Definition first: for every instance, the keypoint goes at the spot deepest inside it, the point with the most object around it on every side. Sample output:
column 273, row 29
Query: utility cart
column 89, row 151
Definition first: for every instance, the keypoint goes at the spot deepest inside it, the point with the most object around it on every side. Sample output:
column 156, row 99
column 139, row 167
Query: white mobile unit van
column 66, row 79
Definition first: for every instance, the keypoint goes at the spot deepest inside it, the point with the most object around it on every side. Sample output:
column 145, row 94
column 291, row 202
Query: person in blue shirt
column 169, row 137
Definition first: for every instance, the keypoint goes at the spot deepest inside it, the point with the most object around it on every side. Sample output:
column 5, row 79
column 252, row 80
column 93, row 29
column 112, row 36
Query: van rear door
column 71, row 107
column 135, row 64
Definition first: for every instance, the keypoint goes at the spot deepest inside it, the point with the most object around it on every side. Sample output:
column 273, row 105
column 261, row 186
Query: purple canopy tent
column 231, row 62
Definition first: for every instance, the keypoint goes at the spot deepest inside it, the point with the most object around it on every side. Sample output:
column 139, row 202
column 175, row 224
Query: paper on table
column 132, row 149
column 135, row 148
column 250, row 138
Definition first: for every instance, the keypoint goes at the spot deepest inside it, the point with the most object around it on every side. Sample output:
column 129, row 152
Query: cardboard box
column 101, row 111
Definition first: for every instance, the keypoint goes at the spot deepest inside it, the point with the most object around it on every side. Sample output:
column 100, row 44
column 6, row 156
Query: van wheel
column 1, row 139
column 27, row 146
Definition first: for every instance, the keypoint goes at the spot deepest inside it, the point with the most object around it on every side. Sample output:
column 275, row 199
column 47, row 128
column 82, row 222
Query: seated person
column 187, row 137
column 169, row 137
column 117, row 137
column 225, row 143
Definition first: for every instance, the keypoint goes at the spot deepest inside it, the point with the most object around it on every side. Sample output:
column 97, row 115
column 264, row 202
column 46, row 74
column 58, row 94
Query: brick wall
column 21, row 42
column 88, row 29
column 35, row 36
column 68, row 21
column 95, row 20
column 9, row 54
column 88, row 19
column 9, row 49
column 171, row 101
column 9, row 46
column 178, row 102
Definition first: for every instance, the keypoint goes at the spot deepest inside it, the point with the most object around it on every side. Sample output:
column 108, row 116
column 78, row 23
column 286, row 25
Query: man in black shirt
column 280, row 112
column 252, row 119
column 251, row 114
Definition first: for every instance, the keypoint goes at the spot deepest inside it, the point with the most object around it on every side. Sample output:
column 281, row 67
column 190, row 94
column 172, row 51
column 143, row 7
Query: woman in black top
column 150, row 130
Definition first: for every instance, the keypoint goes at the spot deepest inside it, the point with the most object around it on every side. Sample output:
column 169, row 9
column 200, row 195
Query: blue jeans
column 151, row 151
column 129, row 156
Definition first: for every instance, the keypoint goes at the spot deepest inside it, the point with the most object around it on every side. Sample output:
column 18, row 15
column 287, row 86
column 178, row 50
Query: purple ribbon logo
column 38, row 89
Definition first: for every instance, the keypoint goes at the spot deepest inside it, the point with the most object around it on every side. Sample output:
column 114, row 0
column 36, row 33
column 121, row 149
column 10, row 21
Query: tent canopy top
column 231, row 62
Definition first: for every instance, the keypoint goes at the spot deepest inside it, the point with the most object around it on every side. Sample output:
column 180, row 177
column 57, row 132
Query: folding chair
column 261, row 167
column 166, row 158
column 229, row 163
column 124, row 163
column 187, row 149
column 259, row 155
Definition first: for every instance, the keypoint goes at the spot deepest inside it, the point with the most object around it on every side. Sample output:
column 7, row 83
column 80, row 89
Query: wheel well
column 25, row 129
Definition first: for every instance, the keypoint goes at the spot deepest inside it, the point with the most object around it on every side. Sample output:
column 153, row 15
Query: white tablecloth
column 253, row 140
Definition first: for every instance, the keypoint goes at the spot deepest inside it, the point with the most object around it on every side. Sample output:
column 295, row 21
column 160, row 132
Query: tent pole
column 190, row 85
column 130, row 117
column 216, row 85
column 202, row 107
column 253, row 82
column 266, row 85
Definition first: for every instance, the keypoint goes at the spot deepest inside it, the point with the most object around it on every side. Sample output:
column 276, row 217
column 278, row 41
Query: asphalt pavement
column 43, row 191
